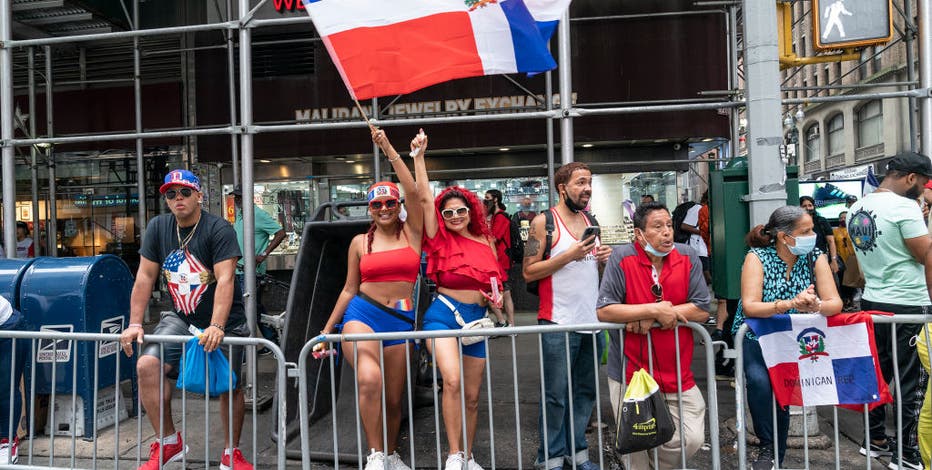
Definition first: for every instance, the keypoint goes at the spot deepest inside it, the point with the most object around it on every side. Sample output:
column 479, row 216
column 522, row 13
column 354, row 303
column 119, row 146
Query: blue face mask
column 650, row 249
column 804, row 245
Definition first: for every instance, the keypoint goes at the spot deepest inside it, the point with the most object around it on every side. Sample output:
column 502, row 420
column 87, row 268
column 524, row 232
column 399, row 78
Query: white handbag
column 484, row 322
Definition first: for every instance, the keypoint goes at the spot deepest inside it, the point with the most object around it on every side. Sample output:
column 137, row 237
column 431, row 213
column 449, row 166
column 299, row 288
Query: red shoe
column 170, row 453
column 9, row 452
column 239, row 462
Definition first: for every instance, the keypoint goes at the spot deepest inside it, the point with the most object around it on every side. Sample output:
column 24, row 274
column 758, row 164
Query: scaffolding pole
column 925, row 75
column 137, row 96
column 52, row 225
column 33, row 153
column 566, row 89
column 249, row 215
column 231, row 80
column 734, row 118
column 6, row 132
column 551, row 155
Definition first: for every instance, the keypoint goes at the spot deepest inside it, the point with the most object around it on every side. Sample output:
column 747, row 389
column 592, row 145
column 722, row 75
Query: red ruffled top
column 451, row 256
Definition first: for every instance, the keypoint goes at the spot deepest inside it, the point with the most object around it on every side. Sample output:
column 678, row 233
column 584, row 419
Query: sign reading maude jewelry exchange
column 455, row 107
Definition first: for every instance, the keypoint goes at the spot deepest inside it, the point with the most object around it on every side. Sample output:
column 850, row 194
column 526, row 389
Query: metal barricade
column 119, row 450
column 839, row 459
column 520, row 373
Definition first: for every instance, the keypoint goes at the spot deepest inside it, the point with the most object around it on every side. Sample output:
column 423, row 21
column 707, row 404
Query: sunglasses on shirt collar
column 173, row 193
column 657, row 290
column 388, row 204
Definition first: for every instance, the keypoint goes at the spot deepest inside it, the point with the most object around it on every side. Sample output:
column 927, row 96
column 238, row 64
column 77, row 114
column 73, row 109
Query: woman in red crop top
column 461, row 259
column 382, row 268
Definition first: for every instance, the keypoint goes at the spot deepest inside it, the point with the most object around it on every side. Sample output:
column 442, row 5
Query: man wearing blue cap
column 197, row 253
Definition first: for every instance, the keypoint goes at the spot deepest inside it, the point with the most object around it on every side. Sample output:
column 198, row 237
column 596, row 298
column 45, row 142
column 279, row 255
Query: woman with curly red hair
column 382, row 267
column 461, row 260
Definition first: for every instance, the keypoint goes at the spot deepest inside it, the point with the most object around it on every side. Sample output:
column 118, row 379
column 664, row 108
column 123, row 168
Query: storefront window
column 288, row 202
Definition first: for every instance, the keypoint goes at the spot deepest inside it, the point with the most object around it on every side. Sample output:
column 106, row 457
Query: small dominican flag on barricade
column 818, row 360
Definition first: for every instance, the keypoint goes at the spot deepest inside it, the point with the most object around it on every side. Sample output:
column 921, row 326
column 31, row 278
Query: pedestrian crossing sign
column 841, row 24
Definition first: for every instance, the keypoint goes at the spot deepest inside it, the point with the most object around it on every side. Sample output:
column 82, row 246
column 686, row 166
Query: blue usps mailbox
column 81, row 295
column 11, row 274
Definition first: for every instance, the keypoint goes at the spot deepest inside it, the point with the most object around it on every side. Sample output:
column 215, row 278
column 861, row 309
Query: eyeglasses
column 173, row 193
column 657, row 290
column 458, row 212
column 388, row 204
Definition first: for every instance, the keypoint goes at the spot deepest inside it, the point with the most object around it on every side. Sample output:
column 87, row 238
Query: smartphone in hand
column 590, row 231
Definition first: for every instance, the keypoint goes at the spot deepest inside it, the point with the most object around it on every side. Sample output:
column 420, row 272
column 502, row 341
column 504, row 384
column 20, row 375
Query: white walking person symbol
column 833, row 13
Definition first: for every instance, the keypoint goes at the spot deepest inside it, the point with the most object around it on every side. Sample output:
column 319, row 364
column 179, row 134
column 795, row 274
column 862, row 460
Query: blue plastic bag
column 204, row 373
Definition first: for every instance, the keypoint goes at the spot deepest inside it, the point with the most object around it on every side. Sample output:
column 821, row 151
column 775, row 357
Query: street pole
column 766, row 170
column 925, row 74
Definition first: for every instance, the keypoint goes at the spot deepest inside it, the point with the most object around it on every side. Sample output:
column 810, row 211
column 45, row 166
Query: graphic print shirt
column 879, row 225
column 189, row 272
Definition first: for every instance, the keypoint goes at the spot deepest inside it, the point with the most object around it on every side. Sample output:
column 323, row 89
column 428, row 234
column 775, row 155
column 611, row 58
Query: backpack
column 515, row 251
column 533, row 287
column 679, row 215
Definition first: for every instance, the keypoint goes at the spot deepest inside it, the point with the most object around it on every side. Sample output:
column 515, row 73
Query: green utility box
column 731, row 221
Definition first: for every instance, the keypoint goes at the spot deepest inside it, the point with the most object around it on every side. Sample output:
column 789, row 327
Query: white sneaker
column 472, row 465
column 394, row 462
column 9, row 451
column 455, row 461
column 375, row 460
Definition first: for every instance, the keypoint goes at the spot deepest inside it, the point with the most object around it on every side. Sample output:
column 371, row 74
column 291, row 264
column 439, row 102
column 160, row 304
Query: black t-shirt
column 822, row 228
column 189, row 273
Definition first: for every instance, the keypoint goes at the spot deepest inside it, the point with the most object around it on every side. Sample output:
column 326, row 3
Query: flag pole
column 362, row 113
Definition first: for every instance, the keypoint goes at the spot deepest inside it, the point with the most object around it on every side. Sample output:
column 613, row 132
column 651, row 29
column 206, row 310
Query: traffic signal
column 840, row 24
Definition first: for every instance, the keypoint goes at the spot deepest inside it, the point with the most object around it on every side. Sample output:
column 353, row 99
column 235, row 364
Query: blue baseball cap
column 180, row 178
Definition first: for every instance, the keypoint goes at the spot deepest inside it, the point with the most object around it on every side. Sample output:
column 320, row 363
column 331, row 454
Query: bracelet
column 217, row 326
column 392, row 160
column 137, row 325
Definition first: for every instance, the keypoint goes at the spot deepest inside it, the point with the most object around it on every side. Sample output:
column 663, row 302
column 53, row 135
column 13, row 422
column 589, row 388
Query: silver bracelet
column 392, row 160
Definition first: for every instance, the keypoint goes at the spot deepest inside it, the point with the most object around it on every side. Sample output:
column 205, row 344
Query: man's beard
column 573, row 205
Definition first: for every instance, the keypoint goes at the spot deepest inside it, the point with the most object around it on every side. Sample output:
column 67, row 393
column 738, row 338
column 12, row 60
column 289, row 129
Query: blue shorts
column 381, row 322
column 440, row 317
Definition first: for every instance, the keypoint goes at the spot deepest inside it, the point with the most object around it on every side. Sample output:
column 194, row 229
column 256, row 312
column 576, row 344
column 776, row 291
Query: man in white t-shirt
column 891, row 242
column 691, row 224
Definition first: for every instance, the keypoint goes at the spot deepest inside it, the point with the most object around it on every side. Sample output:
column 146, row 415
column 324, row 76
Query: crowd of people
column 796, row 263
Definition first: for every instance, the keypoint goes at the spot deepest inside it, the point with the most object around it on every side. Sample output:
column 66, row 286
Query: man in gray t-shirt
column 196, row 253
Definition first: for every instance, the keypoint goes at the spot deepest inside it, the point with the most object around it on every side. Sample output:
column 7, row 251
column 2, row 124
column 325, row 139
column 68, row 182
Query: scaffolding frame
column 243, row 130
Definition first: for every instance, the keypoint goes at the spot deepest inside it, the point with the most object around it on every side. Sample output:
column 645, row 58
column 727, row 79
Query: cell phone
column 590, row 231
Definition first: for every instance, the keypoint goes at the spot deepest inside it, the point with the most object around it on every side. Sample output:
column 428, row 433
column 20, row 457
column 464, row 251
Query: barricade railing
column 513, row 334
column 741, row 391
column 44, row 346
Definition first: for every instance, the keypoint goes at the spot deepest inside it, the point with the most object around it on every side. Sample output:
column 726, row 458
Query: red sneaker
column 239, row 462
column 9, row 452
column 170, row 453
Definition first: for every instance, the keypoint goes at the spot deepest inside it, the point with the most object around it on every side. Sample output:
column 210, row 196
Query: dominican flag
column 547, row 14
column 818, row 360
column 870, row 181
column 395, row 47
column 187, row 280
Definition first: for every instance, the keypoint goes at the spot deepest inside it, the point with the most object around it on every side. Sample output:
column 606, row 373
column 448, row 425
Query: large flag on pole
column 818, row 360
column 394, row 47
column 547, row 14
